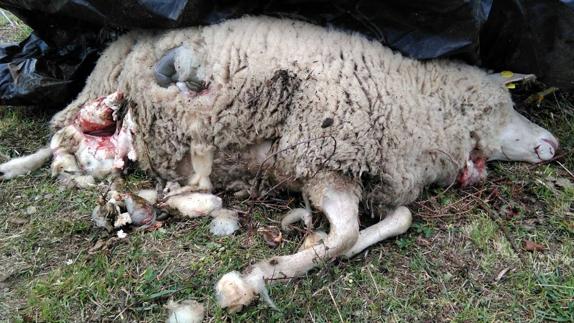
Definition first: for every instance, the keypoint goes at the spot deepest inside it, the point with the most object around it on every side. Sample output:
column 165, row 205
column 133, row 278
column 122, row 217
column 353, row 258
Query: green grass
column 447, row 267
column 13, row 30
column 444, row 268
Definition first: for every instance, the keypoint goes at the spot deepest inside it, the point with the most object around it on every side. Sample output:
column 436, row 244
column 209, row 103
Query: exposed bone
column 340, row 205
column 224, row 222
column 396, row 223
column 187, row 311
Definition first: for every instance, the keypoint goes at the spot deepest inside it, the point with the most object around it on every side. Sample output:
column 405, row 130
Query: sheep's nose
column 546, row 149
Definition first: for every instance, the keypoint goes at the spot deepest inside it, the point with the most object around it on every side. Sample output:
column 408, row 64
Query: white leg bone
column 202, row 162
column 24, row 165
column 398, row 222
column 340, row 205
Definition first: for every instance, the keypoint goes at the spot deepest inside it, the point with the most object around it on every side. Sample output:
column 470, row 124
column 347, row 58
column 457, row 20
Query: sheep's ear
column 508, row 77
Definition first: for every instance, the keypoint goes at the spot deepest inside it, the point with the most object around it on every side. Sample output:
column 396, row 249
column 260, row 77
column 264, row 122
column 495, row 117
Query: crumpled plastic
column 526, row 36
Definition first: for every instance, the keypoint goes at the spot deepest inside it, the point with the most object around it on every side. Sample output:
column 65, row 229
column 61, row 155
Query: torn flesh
column 474, row 170
column 99, row 117
column 117, row 210
column 94, row 144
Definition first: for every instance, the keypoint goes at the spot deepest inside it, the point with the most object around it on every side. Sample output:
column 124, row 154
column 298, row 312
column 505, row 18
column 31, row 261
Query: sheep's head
column 514, row 138
column 501, row 133
column 519, row 139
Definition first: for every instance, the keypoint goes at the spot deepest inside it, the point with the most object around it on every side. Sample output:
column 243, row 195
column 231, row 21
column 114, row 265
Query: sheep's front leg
column 24, row 165
column 340, row 204
column 398, row 222
column 202, row 163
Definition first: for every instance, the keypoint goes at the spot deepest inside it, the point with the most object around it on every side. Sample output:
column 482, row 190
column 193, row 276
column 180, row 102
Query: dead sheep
column 338, row 116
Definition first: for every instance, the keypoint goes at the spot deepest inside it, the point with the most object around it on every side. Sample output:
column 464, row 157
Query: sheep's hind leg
column 398, row 222
column 340, row 203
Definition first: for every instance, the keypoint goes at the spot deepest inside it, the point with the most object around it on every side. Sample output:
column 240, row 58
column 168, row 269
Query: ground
column 469, row 255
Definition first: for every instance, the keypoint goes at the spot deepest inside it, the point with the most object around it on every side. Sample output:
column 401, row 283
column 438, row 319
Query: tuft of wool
column 225, row 222
column 187, row 311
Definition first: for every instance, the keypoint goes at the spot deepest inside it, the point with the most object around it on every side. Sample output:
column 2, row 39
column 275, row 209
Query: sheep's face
column 521, row 140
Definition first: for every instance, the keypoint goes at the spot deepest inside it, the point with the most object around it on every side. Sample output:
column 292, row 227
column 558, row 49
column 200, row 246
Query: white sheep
column 338, row 116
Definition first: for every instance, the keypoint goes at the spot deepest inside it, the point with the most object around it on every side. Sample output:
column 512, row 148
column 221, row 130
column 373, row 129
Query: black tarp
column 526, row 36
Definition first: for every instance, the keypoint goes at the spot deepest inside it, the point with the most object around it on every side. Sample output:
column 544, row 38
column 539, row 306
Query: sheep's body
column 339, row 116
column 271, row 78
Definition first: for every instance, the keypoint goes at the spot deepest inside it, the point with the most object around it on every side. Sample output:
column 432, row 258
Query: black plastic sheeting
column 526, row 36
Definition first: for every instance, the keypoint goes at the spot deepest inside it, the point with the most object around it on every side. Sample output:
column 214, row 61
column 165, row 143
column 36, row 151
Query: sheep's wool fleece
column 331, row 100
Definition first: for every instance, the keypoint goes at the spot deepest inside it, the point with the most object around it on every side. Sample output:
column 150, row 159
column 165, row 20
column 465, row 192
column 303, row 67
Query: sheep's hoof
column 313, row 239
column 233, row 292
column 297, row 215
column 200, row 183
column 6, row 172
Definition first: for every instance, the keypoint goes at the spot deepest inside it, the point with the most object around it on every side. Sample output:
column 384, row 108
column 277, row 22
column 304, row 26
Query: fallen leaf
column 512, row 212
column 3, row 279
column 501, row 274
column 99, row 244
column 532, row 246
column 272, row 235
column 247, row 242
column 422, row 241
column 564, row 182
column 18, row 220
